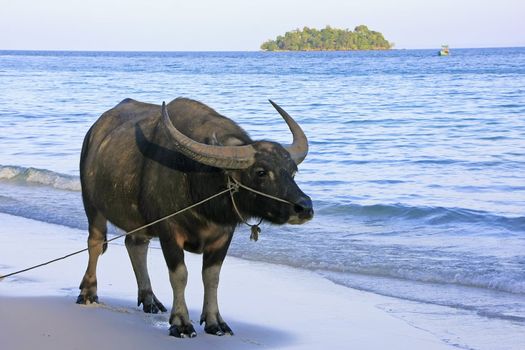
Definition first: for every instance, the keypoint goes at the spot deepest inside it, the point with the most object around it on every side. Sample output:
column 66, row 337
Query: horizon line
column 204, row 51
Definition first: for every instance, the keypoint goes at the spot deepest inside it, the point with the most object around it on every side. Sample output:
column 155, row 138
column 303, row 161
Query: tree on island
column 328, row 39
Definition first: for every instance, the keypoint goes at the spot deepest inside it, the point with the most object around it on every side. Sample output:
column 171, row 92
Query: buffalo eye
column 261, row 173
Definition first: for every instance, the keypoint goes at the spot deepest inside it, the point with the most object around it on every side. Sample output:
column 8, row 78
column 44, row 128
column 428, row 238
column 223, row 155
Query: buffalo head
column 264, row 166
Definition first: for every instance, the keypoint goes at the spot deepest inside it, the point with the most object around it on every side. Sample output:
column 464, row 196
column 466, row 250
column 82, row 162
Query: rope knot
column 233, row 186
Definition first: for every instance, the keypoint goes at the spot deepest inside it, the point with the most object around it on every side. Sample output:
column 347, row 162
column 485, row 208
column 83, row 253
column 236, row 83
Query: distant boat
column 444, row 51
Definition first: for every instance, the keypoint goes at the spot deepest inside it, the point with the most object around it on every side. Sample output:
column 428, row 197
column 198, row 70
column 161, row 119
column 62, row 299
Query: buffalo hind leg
column 211, row 268
column 137, row 247
column 96, row 246
column 180, row 323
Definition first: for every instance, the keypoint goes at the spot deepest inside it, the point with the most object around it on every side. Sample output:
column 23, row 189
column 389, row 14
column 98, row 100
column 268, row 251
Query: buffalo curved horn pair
column 233, row 157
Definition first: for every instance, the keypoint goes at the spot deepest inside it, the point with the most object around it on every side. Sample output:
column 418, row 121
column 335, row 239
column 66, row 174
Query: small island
column 328, row 39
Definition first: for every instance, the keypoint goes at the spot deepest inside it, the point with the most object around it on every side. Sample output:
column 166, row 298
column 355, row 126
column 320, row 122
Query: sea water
column 416, row 164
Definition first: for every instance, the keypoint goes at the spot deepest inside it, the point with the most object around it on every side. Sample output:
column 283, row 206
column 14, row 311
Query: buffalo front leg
column 180, row 324
column 96, row 246
column 211, row 269
column 137, row 247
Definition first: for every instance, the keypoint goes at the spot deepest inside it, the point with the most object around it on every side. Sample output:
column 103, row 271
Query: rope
column 238, row 184
column 232, row 188
column 119, row 236
column 255, row 229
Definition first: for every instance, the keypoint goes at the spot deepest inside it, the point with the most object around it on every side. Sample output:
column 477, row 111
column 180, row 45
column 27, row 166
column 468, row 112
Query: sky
column 242, row 25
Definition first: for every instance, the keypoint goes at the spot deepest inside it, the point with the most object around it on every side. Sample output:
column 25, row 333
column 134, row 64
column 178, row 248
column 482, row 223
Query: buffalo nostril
column 298, row 209
column 304, row 207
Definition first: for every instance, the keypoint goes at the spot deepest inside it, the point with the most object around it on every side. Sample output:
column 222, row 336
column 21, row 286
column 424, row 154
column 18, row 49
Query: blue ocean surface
column 416, row 163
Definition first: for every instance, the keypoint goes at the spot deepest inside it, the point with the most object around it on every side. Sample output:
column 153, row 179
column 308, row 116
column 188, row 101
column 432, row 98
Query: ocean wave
column 369, row 213
column 44, row 177
column 502, row 281
column 425, row 214
column 484, row 302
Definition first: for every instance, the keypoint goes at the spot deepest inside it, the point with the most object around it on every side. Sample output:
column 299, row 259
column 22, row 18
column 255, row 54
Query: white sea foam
column 39, row 177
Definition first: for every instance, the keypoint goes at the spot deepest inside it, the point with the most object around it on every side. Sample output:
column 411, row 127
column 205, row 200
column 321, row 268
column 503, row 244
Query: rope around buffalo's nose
column 232, row 187
column 254, row 228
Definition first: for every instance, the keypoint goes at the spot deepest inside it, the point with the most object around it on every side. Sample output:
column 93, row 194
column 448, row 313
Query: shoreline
column 267, row 306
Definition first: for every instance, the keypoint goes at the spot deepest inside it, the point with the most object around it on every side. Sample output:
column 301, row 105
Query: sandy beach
column 267, row 306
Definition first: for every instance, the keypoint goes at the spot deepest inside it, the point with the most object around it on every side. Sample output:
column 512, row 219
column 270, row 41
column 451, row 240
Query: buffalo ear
column 224, row 141
column 232, row 141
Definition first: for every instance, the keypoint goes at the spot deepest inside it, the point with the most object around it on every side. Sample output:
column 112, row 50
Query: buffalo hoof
column 87, row 299
column 183, row 331
column 150, row 304
column 218, row 329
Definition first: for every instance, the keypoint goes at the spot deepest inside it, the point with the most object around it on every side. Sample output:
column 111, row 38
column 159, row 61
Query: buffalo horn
column 299, row 147
column 225, row 157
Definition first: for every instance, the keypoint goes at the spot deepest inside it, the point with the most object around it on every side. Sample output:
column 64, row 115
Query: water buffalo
column 141, row 162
